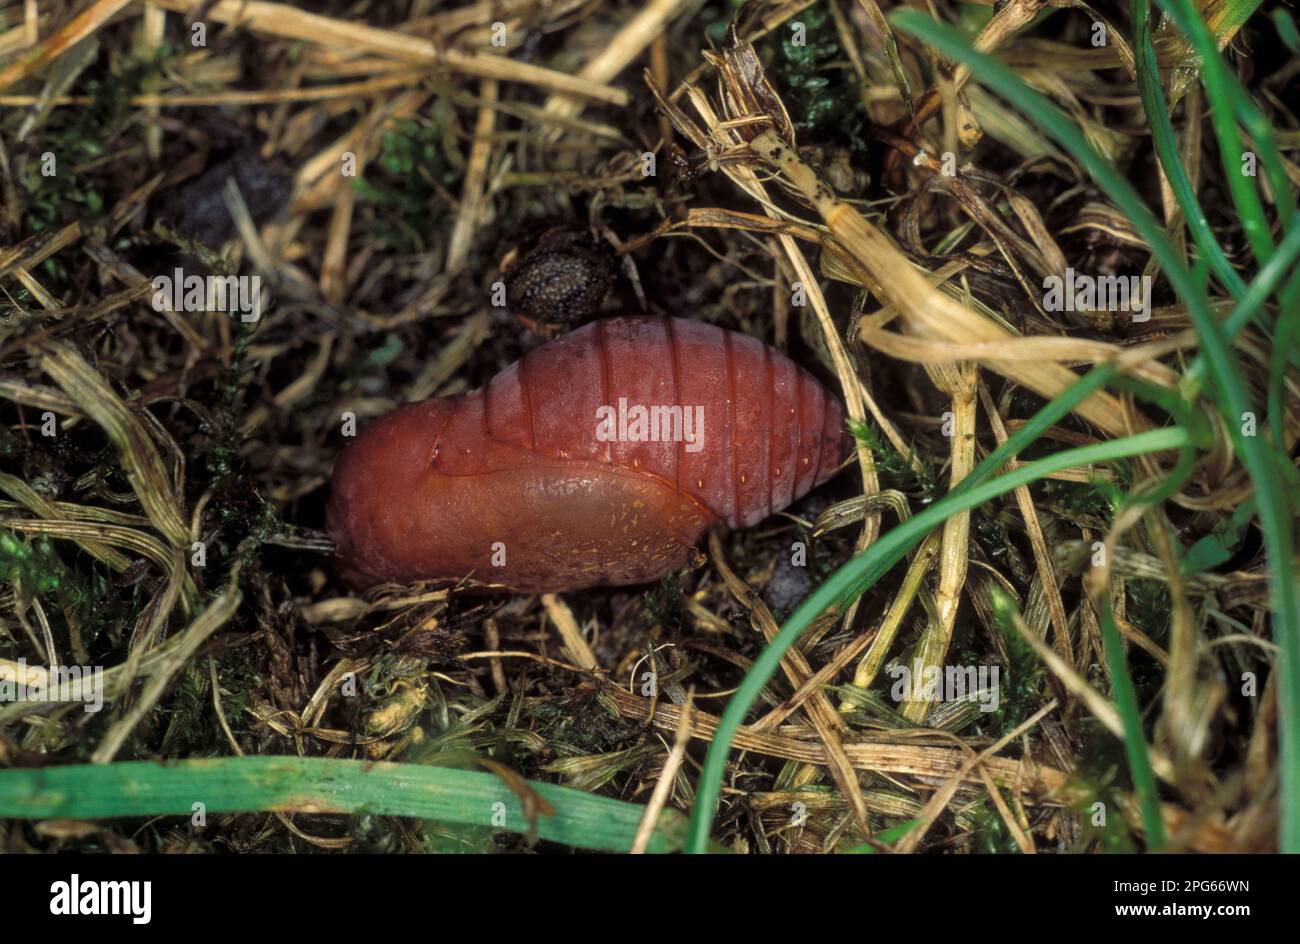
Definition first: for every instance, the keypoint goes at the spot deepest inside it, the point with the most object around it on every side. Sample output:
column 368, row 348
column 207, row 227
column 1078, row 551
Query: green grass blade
column 1284, row 350
column 1281, row 264
column 1162, row 135
column 1286, row 29
column 1135, row 744
column 1265, row 283
column 1231, row 147
column 322, row 785
column 1047, row 417
column 1227, row 94
column 1228, row 97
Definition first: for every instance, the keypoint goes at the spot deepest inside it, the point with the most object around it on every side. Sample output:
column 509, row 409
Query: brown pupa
column 598, row 459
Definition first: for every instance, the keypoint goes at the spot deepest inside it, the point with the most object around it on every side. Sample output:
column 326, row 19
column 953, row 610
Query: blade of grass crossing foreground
column 1261, row 462
column 1280, row 264
column 318, row 784
column 1265, row 283
column 1286, row 29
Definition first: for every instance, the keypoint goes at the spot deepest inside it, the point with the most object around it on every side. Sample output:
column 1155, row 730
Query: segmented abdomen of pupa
column 763, row 432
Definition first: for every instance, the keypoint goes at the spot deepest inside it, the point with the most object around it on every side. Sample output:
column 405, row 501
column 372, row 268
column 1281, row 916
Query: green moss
column 1079, row 501
column 666, row 603
column 1097, row 779
column 819, row 90
column 262, row 524
column 223, row 442
column 578, row 725
column 74, row 137
column 893, row 468
column 1148, row 607
column 35, row 564
column 417, row 161
column 187, row 715
column 1021, row 680
column 106, row 605
column 989, row 834
column 991, row 526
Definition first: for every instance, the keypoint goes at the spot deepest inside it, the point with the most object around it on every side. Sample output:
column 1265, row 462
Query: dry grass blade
column 217, row 613
column 1006, row 21
column 141, row 460
column 575, row 645
column 1037, row 542
column 1037, row 782
column 664, row 785
column 18, row 489
column 958, row 381
column 944, row 795
column 56, row 44
column 626, row 46
column 925, row 310
column 278, row 19
column 871, row 663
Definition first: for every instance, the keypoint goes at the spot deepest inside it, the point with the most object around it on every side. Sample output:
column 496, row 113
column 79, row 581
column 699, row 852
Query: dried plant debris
column 232, row 235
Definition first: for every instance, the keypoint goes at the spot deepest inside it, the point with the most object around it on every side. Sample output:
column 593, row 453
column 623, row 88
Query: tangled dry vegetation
column 913, row 286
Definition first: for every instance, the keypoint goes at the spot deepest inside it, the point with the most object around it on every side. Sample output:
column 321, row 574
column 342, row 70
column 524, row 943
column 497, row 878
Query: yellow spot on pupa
column 743, row 479
column 699, row 483
column 805, row 460
column 776, row 472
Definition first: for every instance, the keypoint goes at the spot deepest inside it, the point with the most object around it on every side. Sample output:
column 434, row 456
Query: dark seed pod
column 561, row 278
column 197, row 208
